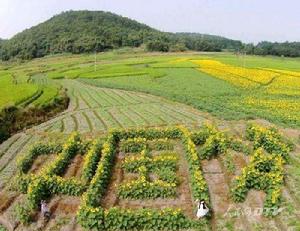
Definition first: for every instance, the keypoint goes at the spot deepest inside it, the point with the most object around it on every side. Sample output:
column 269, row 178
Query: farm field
column 218, row 169
column 225, row 85
column 18, row 90
column 143, row 118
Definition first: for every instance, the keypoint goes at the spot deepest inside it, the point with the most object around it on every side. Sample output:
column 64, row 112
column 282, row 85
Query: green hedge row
column 92, row 216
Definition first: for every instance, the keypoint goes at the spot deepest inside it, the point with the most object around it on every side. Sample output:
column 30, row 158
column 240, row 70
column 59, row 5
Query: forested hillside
column 87, row 31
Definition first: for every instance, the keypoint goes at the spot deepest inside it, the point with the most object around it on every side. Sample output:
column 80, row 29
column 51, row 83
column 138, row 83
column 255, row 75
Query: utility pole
column 95, row 67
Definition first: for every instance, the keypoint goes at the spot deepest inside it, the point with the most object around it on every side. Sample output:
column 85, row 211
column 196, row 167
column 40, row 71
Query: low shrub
column 167, row 175
column 144, row 189
column 164, row 160
column 151, row 133
column 91, row 160
column 48, row 182
column 101, row 178
column 238, row 146
column 215, row 144
column 228, row 162
column 201, row 136
column 70, row 149
column 23, row 213
column 142, row 219
column 25, row 163
column 198, row 183
column 133, row 144
column 265, row 172
column 161, row 144
column 42, row 187
column 143, row 164
column 269, row 139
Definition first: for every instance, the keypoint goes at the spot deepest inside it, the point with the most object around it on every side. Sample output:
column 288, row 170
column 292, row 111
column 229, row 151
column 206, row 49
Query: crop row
column 91, row 216
column 265, row 171
column 266, row 168
column 48, row 182
column 119, row 117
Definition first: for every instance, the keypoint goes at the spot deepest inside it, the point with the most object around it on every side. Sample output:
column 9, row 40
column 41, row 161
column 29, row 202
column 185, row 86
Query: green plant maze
column 146, row 165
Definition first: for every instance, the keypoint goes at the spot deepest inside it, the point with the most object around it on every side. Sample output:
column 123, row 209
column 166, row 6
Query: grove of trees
column 89, row 31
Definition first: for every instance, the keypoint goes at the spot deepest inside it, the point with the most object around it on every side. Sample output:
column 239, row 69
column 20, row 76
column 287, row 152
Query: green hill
column 87, row 31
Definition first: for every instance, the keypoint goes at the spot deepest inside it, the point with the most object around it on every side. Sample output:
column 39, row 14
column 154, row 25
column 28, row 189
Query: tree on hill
column 89, row 31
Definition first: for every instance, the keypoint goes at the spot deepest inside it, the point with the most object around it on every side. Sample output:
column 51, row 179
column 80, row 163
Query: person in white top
column 45, row 210
column 202, row 209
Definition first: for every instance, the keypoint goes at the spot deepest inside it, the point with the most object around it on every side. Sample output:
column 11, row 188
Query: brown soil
column 219, row 181
column 7, row 217
column 64, row 205
column 240, row 161
column 40, row 161
column 75, row 167
column 218, row 188
column 252, row 208
column 183, row 200
column 292, row 133
column 61, row 207
column 6, row 199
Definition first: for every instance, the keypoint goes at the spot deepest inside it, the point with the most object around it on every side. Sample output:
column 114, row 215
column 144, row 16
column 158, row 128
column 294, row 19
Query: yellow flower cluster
column 199, row 185
column 158, row 158
column 275, row 196
column 241, row 77
column 265, row 172
column 268, row 138
column 285, row 85
column 90, row 154
column 147, row 184
column 291, row 73
column 287, row 108
column 68, row 148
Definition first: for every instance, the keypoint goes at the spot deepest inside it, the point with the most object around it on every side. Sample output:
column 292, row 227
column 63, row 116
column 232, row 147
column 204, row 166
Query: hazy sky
column 247, row 20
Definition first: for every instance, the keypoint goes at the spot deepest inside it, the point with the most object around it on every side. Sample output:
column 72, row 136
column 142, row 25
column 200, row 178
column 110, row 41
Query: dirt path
column 75, row 167
column 40, row 162
column 218, row 189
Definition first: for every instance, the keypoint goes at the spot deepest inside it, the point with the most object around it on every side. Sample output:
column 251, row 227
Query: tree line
column 288, row 49
column 89, row 31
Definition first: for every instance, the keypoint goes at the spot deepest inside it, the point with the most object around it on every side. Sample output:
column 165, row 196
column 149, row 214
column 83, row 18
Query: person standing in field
column 202, row 209
column 45, row 210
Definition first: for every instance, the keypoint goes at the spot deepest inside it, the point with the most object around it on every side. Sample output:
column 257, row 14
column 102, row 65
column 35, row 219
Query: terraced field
column 99, row 109
column 111, row 98
column 219, row 171
column 96, row 110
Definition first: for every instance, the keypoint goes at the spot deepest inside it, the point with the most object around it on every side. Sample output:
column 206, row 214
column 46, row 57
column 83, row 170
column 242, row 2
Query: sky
column 246, row 20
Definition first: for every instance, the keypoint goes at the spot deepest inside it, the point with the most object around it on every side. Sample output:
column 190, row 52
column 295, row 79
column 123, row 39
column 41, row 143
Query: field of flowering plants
column 145, row 135
column 151, row 178
column 228, row 86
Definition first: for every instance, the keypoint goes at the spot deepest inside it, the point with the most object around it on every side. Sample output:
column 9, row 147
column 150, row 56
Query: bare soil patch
column 40, row 162
column 75, row 167
column 62, row 209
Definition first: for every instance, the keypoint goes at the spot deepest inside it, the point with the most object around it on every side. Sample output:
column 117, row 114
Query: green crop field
column 14, row 93
column 203, row 100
